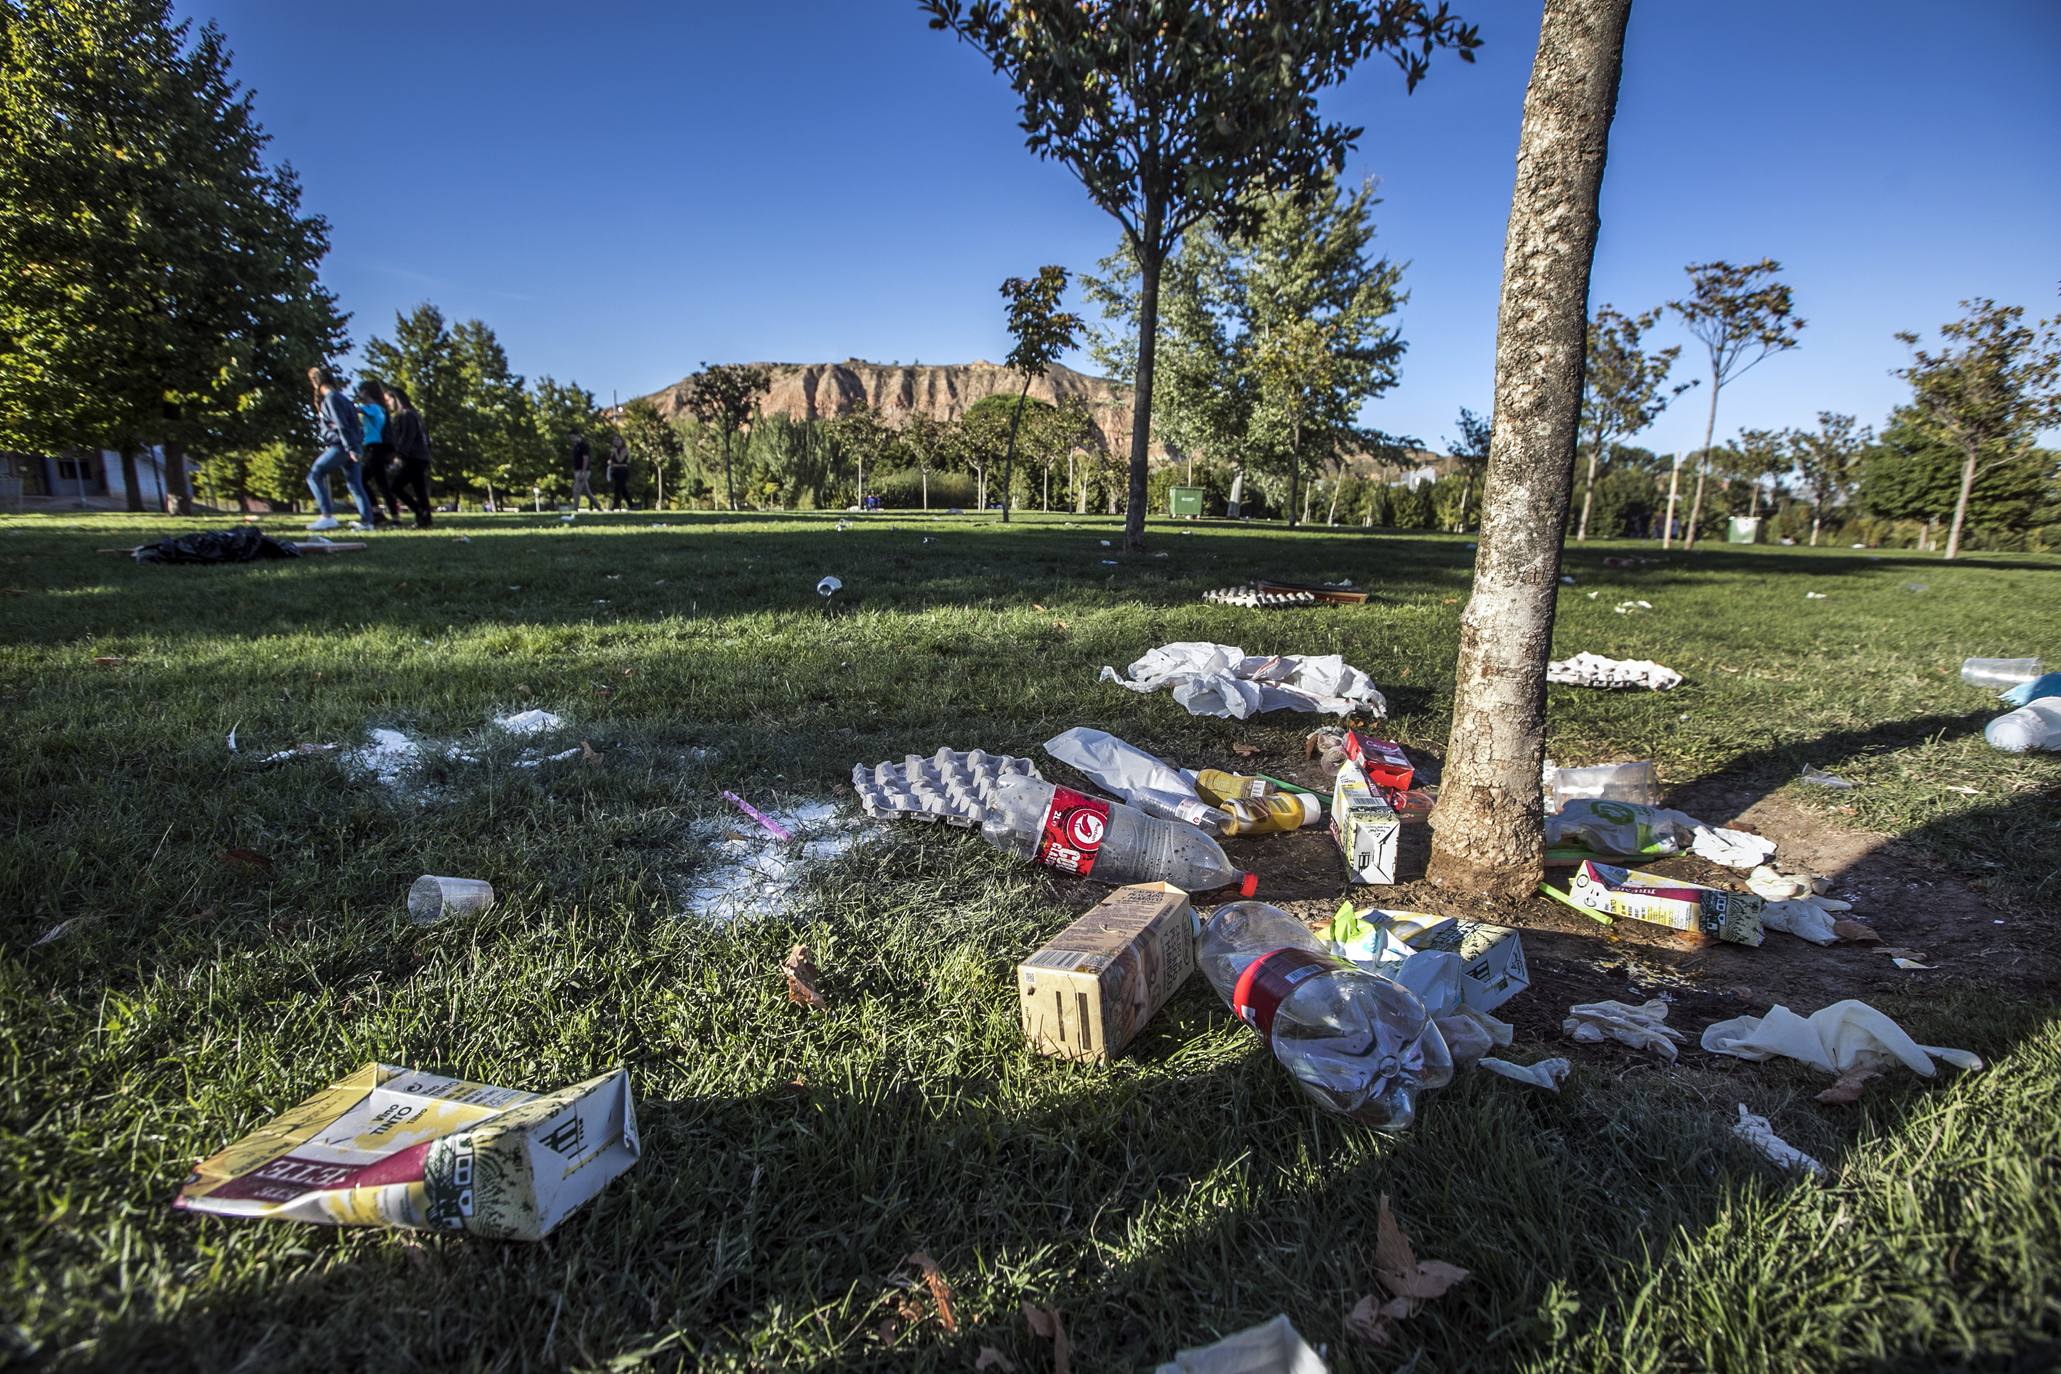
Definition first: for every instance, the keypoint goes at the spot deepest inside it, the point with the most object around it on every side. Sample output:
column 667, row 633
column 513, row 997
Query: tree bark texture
column 1141, row 402
column 1487, row 829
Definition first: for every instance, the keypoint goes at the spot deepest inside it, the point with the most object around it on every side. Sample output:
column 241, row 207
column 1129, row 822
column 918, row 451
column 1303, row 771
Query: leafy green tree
column 1176, row 111
column 555, row 410
column 1992, row 386
column 1741, row 315
column 650, row 440
column 1624, row 388
column 479, row 414
column 1825, row 461
column 1763, row 457
column 726, row 397
column 1470, row 451
column 1914, row 473
column 859, row 436
column 935, row 445
column 158, row 281
column 1042, row 332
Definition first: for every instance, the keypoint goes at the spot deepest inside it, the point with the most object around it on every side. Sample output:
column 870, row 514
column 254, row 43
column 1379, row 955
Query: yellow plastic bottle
column 1274, row 815
column 1218, row 787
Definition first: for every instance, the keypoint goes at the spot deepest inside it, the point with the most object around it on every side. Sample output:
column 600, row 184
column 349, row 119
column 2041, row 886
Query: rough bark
column 1487, row 832
column 130, row 484
column 1141, row 402
column 1953, row 548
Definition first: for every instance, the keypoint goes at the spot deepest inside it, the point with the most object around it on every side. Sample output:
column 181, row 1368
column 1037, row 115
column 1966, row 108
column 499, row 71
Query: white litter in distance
column 1812, row 775
column 1594, row 670
column 1223, row 680
column 390, row 757
column 754, row 874
column 1759, row 1132
column 1627, row 607
column 529, row 723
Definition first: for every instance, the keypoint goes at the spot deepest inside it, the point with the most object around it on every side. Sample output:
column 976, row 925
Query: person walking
column 410, row 474
column 343, row 444
column 583, row 472
column 379, row 454
column 618, row 474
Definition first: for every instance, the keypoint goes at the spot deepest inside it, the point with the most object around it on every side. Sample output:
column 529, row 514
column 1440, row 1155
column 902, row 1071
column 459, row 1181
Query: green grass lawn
column 793, row 1160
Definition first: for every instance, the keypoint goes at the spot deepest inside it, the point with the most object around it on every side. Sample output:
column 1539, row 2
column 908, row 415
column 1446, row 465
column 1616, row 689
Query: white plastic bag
column 1843, row 1036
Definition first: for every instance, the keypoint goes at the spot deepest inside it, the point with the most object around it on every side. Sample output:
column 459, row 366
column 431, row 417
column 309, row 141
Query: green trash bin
column 1184, row 501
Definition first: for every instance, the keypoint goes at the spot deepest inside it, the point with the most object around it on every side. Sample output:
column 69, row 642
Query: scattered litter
column 390, row 757
column 560, row 757
column 232, row 737
column 829, row 586
column 1849, row 1088
column 1759, row 1132
column 1797, row 906
column 1999, row 672
column 1642, row 1027
column 1856, row 932
column 1605, row 891
column 1109, row 563
column 1364, row 825
column 57, row 931
column 433, row 899
column 1627, row 782
column 1566, row 579
column 242, row 544
column 1902, row 962
column 1627, row 607
column 774, row 828
column 388, row 1146
column 2034, row 726
column 1814, row 596
column 529, row 723
column 1594, row 670
column 952, row 786
column 1150, row 784
column 300, row 751
column 1842, row 1036
column 803, row 978
column 1330, row 593
column 1818, row 779
column 1253, row 598
column 1626, row 830
column 2025, row 693
column 1273, row 1347
column 1108, row 544
column 1410, row 1282
column 1089, row 990
column 1222, row 680
column 1112, row 842
column 756, row 874
column 843, row 525
column 1547, row 1073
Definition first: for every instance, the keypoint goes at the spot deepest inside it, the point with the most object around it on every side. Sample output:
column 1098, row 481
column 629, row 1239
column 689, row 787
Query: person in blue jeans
column 379, row 451
column 343, row 446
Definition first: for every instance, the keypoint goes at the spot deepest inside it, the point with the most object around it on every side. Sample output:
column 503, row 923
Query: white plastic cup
column 433, row 900
column 829, row 586
column 1626, row 782
column 1998, row 672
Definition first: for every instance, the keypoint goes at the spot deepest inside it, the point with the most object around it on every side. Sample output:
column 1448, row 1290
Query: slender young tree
column 651, row 439
column 1042, row 332
column 1764, row 457
column 1994, row 384
column 1174, row 111
column 727, row 396
column 1741, row 315
column 1624, row 389
column 1827, row 461
column 1487, row 829
column 1470, row 451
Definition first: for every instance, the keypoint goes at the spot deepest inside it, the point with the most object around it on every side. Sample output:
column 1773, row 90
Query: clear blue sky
column 625, row 190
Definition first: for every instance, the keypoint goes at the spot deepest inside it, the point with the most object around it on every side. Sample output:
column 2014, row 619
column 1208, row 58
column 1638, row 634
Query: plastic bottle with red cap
column 1092, row 837
column 1359, row 1044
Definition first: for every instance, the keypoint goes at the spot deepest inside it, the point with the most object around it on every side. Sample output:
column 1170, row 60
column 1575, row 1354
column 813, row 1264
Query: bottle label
column 1269, row 979
column 1071, row 838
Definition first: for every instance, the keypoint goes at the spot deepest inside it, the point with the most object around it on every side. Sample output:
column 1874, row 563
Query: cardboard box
column 1492, row 957
column 1383, row 761
column 1093, row 986
column 389, row 1146
column 1365, row 826
column 1607, row 890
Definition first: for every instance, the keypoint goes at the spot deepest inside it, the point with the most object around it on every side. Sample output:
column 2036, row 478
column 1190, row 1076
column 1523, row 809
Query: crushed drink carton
column 1365, row 826
column 1607, row 890
column 1492, row 957
column 1093, row 986
column 388, row 1146
column 1383, row 761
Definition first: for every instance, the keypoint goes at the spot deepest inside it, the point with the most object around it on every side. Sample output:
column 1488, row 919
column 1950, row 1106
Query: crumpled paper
column 1845, row 1035
column 1223, row 680
column 1547, row 1073
column 1759, row 1132
column 1594, row 670
column 1642, row 1027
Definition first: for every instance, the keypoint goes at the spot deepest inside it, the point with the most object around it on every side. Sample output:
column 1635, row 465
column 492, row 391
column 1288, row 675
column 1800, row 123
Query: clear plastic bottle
column 1360, row 1044
column 1104, row 840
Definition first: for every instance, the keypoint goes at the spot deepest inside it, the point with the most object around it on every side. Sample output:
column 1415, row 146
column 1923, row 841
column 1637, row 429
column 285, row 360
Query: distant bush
column 902, row 489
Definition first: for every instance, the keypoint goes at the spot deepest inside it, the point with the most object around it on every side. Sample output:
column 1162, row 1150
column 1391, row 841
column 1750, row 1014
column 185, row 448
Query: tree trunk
column 1815, row 516
column 1589, row 488
column 1048, row 487
column 182, row 500
column 862, row 481
column 1667, row 524
column 1466, row 490
column 1332, row 518
column 924, row 478
column 1487, row 831
column 1009, row 452
column 131, row 486
column 660, row 469
column 1953, row 548
column 1703, row 461
column 490, row 492
column 1294, row 467
column 729, row 482
column 1150, row 252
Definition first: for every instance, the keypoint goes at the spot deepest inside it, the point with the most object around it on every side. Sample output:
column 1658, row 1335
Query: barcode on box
column 1067, row 959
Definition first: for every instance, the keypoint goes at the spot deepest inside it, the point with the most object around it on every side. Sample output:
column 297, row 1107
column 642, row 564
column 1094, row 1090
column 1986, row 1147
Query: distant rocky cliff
column 942, row 391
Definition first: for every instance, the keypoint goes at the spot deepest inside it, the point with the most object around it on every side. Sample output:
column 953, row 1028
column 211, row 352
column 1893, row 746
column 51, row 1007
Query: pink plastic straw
column 761, row 817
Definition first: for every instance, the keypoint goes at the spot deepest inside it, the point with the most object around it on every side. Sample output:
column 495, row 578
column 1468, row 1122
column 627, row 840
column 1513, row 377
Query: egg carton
column 1254, row 598
column 951, row 785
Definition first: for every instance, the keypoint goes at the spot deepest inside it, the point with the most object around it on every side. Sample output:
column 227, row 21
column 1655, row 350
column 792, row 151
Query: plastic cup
column 1998, row 672
column 433, row 899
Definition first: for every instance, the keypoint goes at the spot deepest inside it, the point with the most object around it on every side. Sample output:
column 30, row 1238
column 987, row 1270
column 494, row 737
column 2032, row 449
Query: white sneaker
column 361, row 527
column 325, row 523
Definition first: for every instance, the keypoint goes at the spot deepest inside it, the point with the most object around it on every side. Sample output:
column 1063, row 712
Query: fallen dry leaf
column 244, row 858
column 588, row 753
column 940, row 1291
column 991, row 1358
column 802, row 976
column 1397, row 1266
column 1045, row 1324
column 1849, row 1088
column 1374, row 1321
column 1854, row 932
column 109, row 661
column 1245, row 751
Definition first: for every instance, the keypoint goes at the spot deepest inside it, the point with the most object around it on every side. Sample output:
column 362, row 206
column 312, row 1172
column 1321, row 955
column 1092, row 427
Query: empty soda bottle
column 1104, row 840
column 1360, row 1044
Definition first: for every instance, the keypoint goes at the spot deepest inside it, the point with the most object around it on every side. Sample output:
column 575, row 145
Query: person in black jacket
column 583, row 472
column 409, row 474
column 618, row 473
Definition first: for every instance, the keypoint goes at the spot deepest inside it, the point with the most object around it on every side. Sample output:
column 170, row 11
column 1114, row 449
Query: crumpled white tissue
column 1547, row 1073
column 1843, row 1036
column 1223, row 680
column 1759, row 1132
column 1642, row 1027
